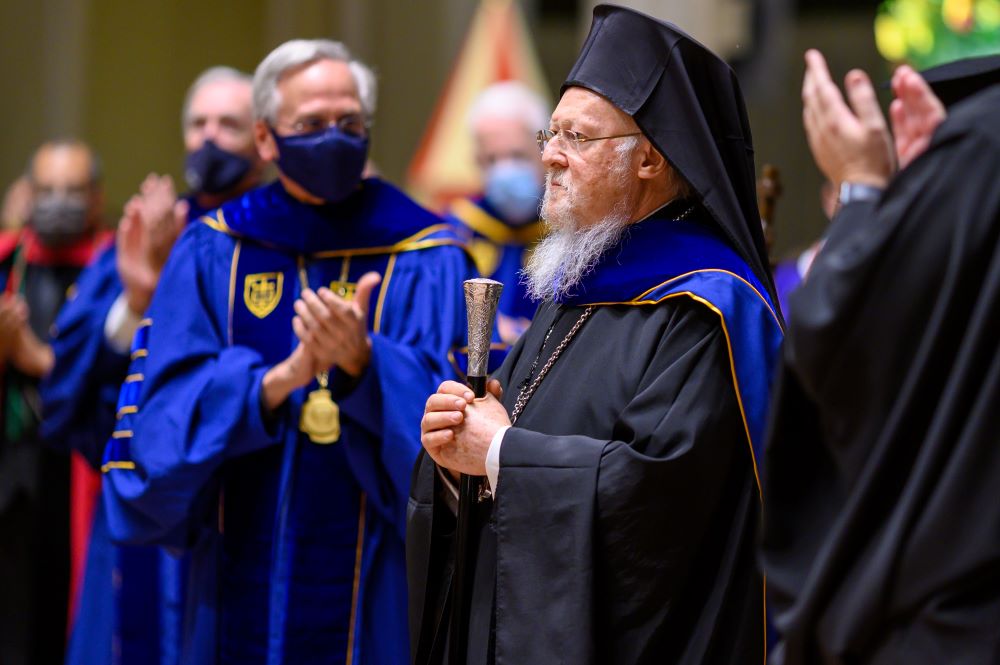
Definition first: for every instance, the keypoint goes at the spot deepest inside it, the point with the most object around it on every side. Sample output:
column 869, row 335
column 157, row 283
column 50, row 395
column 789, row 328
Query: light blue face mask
column 514, row 188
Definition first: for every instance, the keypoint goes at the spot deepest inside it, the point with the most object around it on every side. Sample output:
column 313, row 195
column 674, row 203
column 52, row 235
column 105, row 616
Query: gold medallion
column 320, row 418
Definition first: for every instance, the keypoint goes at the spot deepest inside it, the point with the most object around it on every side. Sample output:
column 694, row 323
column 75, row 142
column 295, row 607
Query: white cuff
column 120, row 325
column 493, row 459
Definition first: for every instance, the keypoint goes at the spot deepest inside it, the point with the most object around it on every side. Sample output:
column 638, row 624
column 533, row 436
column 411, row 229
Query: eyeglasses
column 352, row 123
column 571, row 138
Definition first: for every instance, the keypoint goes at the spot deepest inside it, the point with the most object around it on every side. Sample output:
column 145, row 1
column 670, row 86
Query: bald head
column 64, row 167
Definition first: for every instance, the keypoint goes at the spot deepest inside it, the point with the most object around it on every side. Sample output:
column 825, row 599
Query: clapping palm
column 151, row 222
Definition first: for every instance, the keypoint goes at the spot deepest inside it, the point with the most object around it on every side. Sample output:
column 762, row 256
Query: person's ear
column 652, row 164
column 267, row 148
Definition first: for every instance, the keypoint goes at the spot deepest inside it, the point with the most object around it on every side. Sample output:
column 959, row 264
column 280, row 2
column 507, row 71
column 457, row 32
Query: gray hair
column 514, row 100
column 296, row 53
column 211, row 75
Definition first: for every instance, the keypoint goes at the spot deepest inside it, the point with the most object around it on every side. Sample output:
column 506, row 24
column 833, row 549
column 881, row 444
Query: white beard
column 568, row 253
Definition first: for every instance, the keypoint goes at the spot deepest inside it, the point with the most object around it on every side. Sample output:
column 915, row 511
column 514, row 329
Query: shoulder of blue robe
column 475, row 215
column 377, row 219
column 78, row 396
column 663, row 259
column 189, row 400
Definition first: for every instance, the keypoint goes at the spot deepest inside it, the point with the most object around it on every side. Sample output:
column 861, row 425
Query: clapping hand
column 151, row 222
column 915, row 114
column 849, row 143
column 331, row 331
column 335, row 329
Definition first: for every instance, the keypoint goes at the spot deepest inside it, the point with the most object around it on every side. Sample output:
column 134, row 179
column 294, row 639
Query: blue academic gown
column 300, row 546
column 131, row 599
column 500, row 250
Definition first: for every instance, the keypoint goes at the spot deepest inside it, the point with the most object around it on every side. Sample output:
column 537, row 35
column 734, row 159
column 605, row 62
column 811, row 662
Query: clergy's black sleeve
column 626, row 535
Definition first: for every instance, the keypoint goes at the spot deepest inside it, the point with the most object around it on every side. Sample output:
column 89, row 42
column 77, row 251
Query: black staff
column 481, row 298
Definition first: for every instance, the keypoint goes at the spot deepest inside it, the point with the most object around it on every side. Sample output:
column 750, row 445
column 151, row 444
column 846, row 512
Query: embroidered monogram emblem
column 262, row 292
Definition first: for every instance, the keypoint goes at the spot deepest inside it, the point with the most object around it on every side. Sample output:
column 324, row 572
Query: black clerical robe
column 625, row 515
column 882, row 511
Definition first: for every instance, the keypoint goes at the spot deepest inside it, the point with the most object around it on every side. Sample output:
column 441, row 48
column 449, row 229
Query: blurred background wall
column 114, row 72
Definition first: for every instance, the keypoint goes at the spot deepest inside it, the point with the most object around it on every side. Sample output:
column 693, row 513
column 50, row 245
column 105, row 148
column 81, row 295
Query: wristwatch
column 856, row 191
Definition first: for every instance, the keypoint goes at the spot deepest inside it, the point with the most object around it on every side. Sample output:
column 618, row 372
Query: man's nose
column 210, row 131
column 553, row 156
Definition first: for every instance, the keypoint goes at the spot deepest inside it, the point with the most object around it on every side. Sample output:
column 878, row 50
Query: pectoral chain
column 527, row 391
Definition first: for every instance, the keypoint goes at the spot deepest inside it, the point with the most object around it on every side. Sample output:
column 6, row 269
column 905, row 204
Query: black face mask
column 58, row 220
column 212, row 170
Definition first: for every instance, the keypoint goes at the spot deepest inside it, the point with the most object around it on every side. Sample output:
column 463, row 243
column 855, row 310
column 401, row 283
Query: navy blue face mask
column 212, row 170
column 326, row 164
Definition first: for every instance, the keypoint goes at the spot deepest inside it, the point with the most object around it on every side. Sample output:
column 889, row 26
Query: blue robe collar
column 377, row 217
column 656, row 250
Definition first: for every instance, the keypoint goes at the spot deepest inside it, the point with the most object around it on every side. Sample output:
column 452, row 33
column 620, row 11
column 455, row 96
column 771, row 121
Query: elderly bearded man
column 620, row 450
column 273, row 402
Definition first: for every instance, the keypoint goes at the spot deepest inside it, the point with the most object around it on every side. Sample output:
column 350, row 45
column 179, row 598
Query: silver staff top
column 481, row 298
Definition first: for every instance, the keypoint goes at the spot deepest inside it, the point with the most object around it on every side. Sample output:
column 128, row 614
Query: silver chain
column 684, row 214
column 526, row 393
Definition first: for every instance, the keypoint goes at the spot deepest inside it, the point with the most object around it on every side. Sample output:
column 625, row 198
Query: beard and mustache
column 568, row 253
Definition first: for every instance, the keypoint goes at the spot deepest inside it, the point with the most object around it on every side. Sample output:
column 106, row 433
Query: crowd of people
column 237, row 429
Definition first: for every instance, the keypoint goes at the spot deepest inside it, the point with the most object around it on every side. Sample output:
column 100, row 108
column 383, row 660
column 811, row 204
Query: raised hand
column 915, row 114
column 849, row 143
column 335, row 329
column 151, row 222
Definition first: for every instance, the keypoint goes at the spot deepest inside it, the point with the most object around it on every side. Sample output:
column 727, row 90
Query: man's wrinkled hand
column 457, row 429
